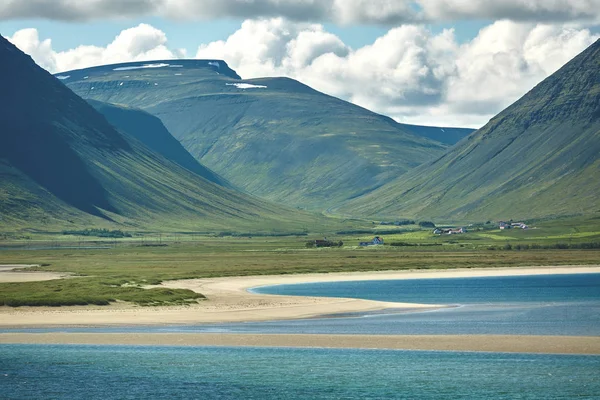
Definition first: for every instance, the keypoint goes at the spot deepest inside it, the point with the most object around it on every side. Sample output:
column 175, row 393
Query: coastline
column 228, row 300
column 16, row 273
column 575, row 345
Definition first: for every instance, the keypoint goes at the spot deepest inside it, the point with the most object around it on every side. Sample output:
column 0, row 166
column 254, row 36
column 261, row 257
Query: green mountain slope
column 273, row 137
column 449, row 136
column 539, row 157
column 149, row 130
column 63, row 164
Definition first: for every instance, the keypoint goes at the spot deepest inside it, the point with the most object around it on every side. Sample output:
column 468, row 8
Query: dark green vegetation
column 150, row 131
column 89, row 291
column 272, row 137
column 102, row 233
column 117, row 273
column 449, row 136
column 539, row 157
column 63, row 166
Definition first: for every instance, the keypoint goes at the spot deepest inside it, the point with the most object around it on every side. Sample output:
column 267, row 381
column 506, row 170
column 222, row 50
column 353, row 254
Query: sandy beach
column 480, row 343
column 10, row 273
column 228, row 300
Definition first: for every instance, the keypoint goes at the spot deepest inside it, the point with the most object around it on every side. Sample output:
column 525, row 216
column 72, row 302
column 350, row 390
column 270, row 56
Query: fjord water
column 523, row 305
column 520, row 305
column 566, row 304
column 125, row 372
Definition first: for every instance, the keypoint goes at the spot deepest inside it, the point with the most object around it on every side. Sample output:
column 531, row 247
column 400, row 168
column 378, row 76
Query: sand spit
column 228, row 300
column 478, row 343
column 8, row 274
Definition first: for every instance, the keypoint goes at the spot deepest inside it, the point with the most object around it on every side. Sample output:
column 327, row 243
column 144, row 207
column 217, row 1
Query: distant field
column 116, row 273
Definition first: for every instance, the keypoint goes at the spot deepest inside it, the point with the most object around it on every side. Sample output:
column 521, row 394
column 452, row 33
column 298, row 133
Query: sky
column 428, row 62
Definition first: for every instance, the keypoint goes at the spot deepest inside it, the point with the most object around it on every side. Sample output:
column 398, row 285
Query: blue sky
column 432, row 62
column 189, row 34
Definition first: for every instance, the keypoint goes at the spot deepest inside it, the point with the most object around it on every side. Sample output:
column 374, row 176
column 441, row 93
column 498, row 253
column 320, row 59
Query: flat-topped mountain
column 273, row 137
column 63, row 164
column 539, row 157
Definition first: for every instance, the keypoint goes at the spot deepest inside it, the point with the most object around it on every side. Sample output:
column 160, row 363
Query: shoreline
column 229, row 300
column 573, row 345
column 9, row 273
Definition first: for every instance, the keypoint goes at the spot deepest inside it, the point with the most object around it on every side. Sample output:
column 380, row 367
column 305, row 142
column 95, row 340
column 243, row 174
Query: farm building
column 376, row 241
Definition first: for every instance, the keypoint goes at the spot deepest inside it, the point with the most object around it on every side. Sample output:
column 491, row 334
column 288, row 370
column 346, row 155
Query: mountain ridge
column 539, row 157
column 149, row 130
column 63, row 164
column 275, row 138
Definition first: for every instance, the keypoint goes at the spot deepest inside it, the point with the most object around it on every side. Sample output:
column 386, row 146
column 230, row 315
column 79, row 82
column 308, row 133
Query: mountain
column 62, row 164
column 273, row 137
column 149, row 130
column 539, row 157
column 449, row 136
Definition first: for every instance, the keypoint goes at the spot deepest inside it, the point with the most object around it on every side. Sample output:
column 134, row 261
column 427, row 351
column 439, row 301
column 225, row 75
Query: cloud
column 385, row 12
column 514, row 10
column 409, row 73
column 141, row 43
column 29, row 42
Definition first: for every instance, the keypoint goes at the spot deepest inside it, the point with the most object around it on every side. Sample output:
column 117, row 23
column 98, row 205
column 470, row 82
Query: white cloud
column 387, row 12
column 141, row 43
column 29, row 42
column 515, row 10
column 409, row 73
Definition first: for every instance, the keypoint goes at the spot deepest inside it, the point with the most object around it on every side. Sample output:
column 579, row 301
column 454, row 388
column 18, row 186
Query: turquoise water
column 125, row 372
column 563, row 305
column 483, row 290
column 526, row 305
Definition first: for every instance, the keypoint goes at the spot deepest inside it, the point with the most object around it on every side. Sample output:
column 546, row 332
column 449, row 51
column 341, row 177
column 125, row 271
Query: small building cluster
column 449, row 231
column 375, row 242
column 512, row 225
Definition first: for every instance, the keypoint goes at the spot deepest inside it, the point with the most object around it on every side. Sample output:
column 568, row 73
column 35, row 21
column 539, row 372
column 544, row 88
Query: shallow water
column 530, row 305
column 126, row 372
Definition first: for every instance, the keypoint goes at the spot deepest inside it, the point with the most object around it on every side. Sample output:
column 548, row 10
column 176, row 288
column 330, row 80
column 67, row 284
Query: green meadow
column 122, row 267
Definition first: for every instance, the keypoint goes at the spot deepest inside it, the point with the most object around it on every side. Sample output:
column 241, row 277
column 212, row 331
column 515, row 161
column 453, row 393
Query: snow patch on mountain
column 140, row 67
column 246, row 86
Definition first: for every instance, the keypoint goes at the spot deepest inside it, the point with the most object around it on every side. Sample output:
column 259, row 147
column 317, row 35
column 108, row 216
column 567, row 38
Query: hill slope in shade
column 448, row 136
column 273, row 137
column 149, row 130
column 63, row 164
column 539, row 157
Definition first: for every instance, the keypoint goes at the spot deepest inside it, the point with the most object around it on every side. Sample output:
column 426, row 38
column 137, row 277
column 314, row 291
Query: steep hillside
column 149, row 130
column 63, row 164
column 449, row 136
column 273, row 137
column 539, row 157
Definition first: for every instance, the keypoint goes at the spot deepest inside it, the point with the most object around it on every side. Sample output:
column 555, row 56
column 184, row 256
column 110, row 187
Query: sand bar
column 480, row 343
column 228, row 300
column 8, row 274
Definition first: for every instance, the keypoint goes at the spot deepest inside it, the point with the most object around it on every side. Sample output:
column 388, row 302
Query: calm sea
column 563, row 305
column 124, row 372
column 525, row 305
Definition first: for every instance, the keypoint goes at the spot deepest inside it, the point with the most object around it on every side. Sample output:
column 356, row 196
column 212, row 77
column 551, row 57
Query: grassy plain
column 120, row 269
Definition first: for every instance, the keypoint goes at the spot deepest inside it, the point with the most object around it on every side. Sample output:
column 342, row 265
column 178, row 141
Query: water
column 507, row 289
column 527, row 305
column 125, row 372
column 564, row 305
